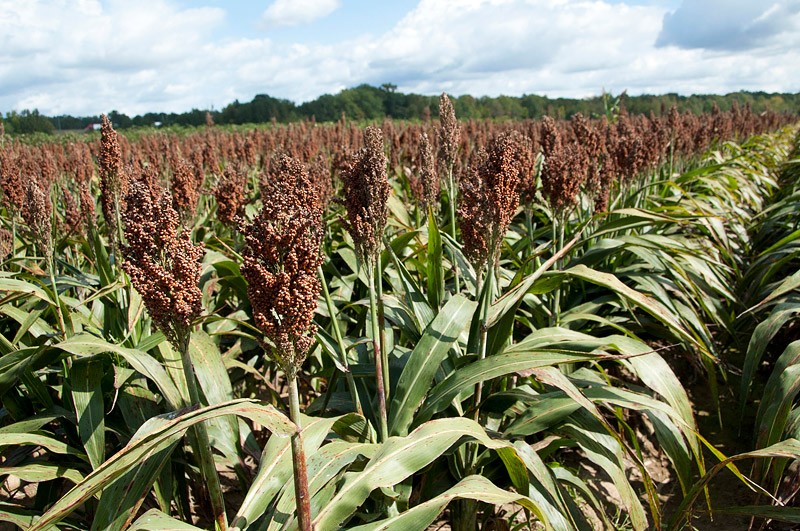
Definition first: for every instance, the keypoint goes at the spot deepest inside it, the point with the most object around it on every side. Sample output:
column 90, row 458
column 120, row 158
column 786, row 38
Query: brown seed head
column 37, row 214
column 281, row 257
column 449, row 132
column 563, row 170
column 489, row 200
column 185, row 189
column 320, row 172
column 73, row 215
column 113, row 179
column 427, row 174
column 162, row 261
column 6, row 243
column 366, row 192
column 87, row 203
column 231, row 193
column 11, row 181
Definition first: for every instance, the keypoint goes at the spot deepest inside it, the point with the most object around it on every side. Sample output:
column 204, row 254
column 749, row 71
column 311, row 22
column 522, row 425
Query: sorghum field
column 444, row 325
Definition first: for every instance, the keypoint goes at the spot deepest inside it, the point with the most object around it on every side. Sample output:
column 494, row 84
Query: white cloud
column 729, row 24
column 82, row 57
column 296, row 12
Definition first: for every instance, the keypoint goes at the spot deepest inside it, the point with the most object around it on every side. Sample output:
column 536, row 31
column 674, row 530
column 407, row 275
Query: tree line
column 367, row 102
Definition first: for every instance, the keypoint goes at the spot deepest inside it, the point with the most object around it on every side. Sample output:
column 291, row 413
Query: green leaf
column 770, row 512
column 472, row 487
column 398, row 458
column 545, row 411
column 790, row 448
column 435, row 266
column 20, row 287
column 217, row 389
column 36, row 439
column 15, row 363
column 606, row 452
column 787, row 286
column 155, row 435
column 39, row 472
column 325, row 464
column 646, row 303
column 15, row 514
column 87, row 395
column 275, row 469
column 416, row 300
column 88, row 345
column 155, row 520
column 121, row 500
column 466, row 377
column 547, row 493
column 510, row 301
column 759, row 340
column 424, row 361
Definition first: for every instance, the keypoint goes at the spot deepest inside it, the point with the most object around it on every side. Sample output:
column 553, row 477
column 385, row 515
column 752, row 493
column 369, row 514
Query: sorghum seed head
column 37, row 213
column 366, row 192
column 427, row 174
column 162, row 261
column 281, row 257
column 449, row 132
column 490, row 198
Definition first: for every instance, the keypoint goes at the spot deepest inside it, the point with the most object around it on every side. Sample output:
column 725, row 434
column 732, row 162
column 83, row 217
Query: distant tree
column 27, row 122
column 366, row 102
column 120, row 121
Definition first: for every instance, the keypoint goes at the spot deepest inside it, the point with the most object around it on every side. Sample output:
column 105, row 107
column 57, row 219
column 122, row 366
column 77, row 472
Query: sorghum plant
column 427, row 175
column 366, row 192
column 163, row 264
column 563, row 172
column 13, row 191
column 281, row 258
column 113, row 181
column 449, row 134
column 489, row 201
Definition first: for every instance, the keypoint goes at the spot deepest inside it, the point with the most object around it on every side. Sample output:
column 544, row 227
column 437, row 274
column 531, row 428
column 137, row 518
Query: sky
column 86, row 57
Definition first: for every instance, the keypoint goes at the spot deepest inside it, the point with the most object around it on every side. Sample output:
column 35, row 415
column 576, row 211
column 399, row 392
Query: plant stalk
column 380, row 359
column 451, row 191
column 61, row 325
column 488, row 285
column 202, row 444
column 529, row 230
column 337, row 334
column 301, row 493
column 558, row 236
column 382, row 328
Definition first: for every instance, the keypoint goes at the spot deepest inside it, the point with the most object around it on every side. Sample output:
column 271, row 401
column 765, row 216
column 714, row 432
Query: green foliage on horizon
column 366, row 102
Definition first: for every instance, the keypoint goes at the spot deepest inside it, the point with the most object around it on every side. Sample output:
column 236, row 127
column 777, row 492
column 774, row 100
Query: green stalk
column 302, row 496
column 51, row 269
column 529, row 229
column 451, row 191
column 382, row 328
column 13, row 234
column 337, row 334
column 380, row 380
column 558, row 236
column 671, row 155
column 488, row 285
column 202, row 445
